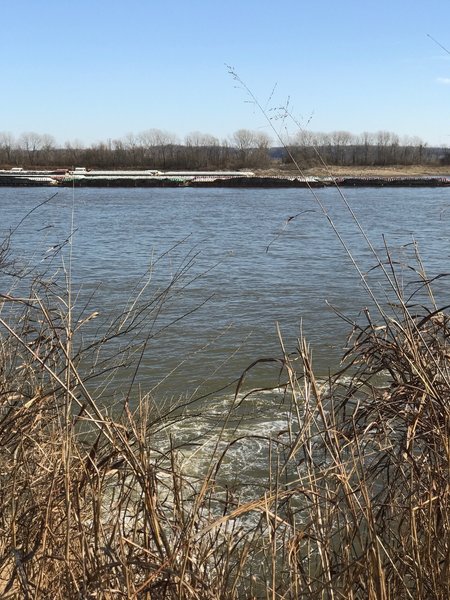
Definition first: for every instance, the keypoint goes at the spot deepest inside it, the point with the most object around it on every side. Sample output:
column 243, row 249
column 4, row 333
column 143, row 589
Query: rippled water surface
column 241, row 264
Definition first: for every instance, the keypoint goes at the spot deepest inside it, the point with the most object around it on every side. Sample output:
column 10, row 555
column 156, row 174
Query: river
column 240, row 261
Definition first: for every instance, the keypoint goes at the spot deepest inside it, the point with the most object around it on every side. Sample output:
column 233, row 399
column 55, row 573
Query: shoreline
column 363, row 171
column 272, row 178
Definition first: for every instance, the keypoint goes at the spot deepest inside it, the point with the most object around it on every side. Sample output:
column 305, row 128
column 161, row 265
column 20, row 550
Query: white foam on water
column 248, row 435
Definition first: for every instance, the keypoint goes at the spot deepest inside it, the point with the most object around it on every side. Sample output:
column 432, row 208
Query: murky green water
column 237, row 263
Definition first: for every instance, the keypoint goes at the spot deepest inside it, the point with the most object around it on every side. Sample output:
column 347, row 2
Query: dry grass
column 391, row 171
column 359, row 171
column 356, row 495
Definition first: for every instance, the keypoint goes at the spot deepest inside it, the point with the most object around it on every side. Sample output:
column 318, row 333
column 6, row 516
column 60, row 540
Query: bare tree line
column 381, row 148
column 156, row 148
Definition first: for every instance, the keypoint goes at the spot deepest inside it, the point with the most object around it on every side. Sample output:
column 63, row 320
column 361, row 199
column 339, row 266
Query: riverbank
column 282, row 178
column 362, row 171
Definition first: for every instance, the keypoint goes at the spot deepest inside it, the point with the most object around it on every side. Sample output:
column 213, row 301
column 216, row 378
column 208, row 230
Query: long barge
column 81, row 177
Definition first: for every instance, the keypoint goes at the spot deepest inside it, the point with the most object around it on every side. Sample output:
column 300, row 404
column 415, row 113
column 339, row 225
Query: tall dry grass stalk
column 355, row 498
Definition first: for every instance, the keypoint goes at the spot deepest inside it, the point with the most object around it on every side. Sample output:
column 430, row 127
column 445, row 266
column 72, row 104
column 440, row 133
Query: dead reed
column 355, row 500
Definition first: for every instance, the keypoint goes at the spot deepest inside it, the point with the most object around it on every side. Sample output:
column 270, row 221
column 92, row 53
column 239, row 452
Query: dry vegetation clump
column 356, row 494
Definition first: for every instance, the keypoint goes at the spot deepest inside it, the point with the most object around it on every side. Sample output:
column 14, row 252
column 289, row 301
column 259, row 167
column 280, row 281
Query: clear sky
column 96, row 69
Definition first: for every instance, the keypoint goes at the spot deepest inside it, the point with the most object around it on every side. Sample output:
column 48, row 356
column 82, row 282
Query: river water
column 239, row 260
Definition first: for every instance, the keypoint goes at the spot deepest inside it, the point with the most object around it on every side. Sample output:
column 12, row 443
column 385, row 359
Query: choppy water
column 241, row 265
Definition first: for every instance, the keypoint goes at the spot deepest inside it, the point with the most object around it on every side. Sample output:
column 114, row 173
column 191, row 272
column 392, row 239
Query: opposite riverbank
column 372, row 171
column 414, row 176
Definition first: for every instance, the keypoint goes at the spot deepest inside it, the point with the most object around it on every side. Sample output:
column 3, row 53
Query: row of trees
column 343, row 148
column 155, row 148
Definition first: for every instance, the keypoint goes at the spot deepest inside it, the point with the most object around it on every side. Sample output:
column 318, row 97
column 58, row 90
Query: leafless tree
column 36, row 145
column 7, row 143
column 157, row 144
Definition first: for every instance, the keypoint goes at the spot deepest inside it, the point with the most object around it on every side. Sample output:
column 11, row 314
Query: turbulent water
column 240, row 261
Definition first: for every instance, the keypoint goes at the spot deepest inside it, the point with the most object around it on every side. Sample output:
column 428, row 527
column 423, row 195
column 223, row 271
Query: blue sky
column 96, row 69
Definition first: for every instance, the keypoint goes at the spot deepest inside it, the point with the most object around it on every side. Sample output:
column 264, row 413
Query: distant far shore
column 400, row 176
column 363, row 171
